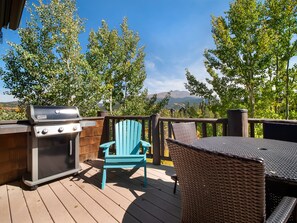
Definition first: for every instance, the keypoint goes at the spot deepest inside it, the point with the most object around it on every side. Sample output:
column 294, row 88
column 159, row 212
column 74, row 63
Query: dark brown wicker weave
column 217, row 187
column 184, row 132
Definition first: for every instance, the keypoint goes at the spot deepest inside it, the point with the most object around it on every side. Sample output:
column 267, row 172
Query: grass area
column 163, row 162
column 12, row 104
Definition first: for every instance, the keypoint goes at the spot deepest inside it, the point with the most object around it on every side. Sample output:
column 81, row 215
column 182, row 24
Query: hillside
column 179, row 99
column 10, row 104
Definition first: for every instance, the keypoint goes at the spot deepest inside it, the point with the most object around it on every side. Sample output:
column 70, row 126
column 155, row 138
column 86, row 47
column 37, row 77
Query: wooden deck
column 80, row 199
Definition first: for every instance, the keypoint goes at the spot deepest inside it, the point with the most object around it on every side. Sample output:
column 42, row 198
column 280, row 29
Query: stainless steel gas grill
column 53, row 144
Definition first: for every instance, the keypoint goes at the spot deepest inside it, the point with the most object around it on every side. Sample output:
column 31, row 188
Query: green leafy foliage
column 47, row 67
column 118, row 61
column 143, row 105
column 11, row 114
column 250, row 65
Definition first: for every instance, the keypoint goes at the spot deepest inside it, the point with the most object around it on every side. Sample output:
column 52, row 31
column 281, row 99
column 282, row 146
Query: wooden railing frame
column 154, row 127
column 153, row 131
column 204, row 122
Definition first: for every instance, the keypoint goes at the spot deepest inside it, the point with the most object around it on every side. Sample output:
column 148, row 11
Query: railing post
column 102, row 113
column 156, row 139
column 238, row 122
column 105, row 130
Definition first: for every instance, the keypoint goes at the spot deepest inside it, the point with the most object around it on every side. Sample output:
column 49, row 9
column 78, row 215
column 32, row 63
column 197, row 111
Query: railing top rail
column 261, row 120
column 202, row 120
column 128, row 117
column 92, row 118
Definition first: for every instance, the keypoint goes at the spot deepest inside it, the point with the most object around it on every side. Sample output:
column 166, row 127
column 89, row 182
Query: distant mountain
column 9, row 104
column 175, row 94
column 179, row 99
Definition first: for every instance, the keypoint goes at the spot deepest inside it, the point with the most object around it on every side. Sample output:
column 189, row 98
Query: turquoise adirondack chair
column 127, row 143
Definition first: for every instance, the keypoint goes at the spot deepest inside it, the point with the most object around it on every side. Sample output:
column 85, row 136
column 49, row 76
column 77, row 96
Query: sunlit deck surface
column 80, row 199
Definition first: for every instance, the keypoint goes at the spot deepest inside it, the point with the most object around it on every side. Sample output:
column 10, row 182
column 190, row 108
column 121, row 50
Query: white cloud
column 160, row 80
column 171, row 76
column 150, row 65
column 198, row 69
column 159, row 59
column 6, row 98
column 164, row 84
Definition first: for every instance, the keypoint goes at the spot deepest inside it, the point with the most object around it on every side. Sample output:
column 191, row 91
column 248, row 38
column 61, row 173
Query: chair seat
column 126, row 161
column 124, row 158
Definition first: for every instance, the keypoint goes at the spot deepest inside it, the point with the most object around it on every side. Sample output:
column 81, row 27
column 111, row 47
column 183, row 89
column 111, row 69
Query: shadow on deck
column 80, row 199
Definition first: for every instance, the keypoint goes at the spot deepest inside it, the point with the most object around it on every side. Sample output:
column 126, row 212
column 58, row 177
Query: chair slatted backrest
column 128, row 135
column 185, row 132
column 217, row 187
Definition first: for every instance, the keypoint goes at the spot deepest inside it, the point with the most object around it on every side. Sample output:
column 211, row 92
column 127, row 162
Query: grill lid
column 47, row 114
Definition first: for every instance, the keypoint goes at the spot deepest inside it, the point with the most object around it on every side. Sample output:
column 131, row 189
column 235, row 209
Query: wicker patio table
column 280, row 157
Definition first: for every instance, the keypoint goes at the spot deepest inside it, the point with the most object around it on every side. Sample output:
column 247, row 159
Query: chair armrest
column 145, row 145
column 283, row 211
column 105, row 146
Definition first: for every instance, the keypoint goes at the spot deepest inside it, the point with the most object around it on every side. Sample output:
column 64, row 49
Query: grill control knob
column 61, row 129
column 74, row 128
column 44, row 131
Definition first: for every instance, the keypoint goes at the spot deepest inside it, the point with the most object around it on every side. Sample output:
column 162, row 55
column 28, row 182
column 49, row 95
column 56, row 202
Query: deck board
column 36, row 207
column 76, row 210
column 80, row 199
column 151, row 194
column 162, row 182
column 164, row 192
column 4, row 205
column 18, row 204
column 122, row 201
column 93, row 208
column 117, row 212
column 54, row 206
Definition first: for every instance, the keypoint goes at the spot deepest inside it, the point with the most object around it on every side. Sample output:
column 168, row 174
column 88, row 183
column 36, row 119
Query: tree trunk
column 251, row 98
column 252, row 104
column 110, row 104
column 287, row 90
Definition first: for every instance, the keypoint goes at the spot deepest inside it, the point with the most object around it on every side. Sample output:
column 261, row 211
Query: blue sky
column 175, row 34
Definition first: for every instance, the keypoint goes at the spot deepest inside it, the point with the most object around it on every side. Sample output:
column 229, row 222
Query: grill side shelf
column 14, row 128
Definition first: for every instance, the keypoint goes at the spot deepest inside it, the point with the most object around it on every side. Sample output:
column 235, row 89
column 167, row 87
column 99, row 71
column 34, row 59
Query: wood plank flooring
column 80, row 199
